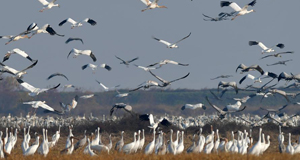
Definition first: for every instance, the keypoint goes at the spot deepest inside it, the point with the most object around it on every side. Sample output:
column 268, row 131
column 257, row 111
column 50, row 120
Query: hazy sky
column 214, row 48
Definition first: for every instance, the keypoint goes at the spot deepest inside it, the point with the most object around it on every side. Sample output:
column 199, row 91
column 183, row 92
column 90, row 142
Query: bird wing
column 262, row 46
column 136, row 88
column 235, row 6
column 252, row 3
column 180, row 78
column 151, row 120
column 107, row 67
column 218, row 98
column 73, row 50
column 183, row 38
column 215, row 107
column 286, row 52
column 71, row 21
column 44, row 2
column 20, row 52
column 207, row 16
column 57, row 74
column 162, row 41
column 90, row 21
column 32, row 65
column 9, row 69
column 144, row 117
column 146, row 2
column 45, row 106
column 120, row 59
column 52, row 32
column 160, row 79
column 72, row 39
column 93, row 57
column 102, row 85
column 26, row 85
column 283, row 107
column 133, row 59
column 267, row 56
column 247, row 76
column 40, row 90
column 151, row 65
column 85, row 66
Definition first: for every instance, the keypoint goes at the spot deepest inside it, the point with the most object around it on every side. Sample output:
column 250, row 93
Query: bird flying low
column 277, row 54
column 33, row 90
column 151, row 5
column 154, row 125
column 106, row 88
column 265, row 49
column 166, row 61
column 94, row 67
column 48, row 5
column 16, row 73
column 239, row 11
column 77, row 24
column 166, row 83
column 70, row 106
column 57, row 74
column 123, row 106
column 78, row 52
column 19, row 52
column 74, row 39
column 42, row 104
column 280, row 62
column 194, row 106
column 171, row 45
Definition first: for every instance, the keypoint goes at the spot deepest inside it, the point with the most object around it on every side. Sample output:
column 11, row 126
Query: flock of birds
column 211, row 143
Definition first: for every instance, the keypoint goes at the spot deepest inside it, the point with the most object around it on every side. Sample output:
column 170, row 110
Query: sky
column 213, row 49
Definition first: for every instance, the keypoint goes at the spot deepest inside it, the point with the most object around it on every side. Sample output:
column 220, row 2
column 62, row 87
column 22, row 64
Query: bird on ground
column 73, row 39
column 222, row 76
column 106, row 88
column 123, row 106
column 57, row 74
column 41, row 104
column 126, row 62
column 221, row 112
column 251, row 68
column 16, row 73
column 150, row 147
column 151, row 5
column 239, row 11
column 70, row 149
column 77, row 24
column 78, row 52
column 280, row 62
column 244, row 99
column 119, row 145
column 33, row 90
column 32, row 149
column 19, row 52
column 127, row 148
column 153, row 125
column 81, row 142
column 94, row 67
column 166, row 61
column 277, row 54
column 120, row 95
column 48, row 5
column 45, row 29
column 70, row 106
column 166, row 83
column 266, row 49
column 194, row 106
column 172, row 45
column 228, row 84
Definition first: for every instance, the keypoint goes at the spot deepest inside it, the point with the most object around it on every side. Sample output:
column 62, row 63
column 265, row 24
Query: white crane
column 151, row 5
column 45, row 29
column 250, row 76
column 33, row 90
column 166, row 61
column 90, row 151
column 256, row 149
column 265, row 49
column 94, row 67
column 166, row 83
column 145, row 68
column 106, row 88
column 239, row 11
column 119, row 145
column 233, row 107
column 194, row 106
column 70, row 106
column 42, row 104
column 15, row 72
column 32, row 149
column 13, row 38
column 154, row 125
column 19, row 52
column 180, row 146
column 78, row 52
column 150, row 147
column 171, row 45
column 128, row 147
column 48, row 5
column 77, row 24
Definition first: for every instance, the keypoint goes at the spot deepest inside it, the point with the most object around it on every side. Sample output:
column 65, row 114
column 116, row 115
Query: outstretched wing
column 184, row 38
column 215, row 107
column 180, row 78
column 160, row 79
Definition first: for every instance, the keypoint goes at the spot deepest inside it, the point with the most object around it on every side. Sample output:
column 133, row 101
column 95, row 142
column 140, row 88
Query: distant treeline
column 156, row 101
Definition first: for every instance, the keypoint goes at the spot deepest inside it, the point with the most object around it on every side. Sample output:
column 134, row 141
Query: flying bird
column 266, row 49
column 94, row 67
column 16, row 73
column 154, row 125
column 127, row 62
column 239, row 11
column 145, row 68
column 151, row 5
column 19, row 52
column 274, row 91
column 42, row 104
column 277, row 54
column 193, row 106
column 251, row 68
column 73, row 39
column 87, row 96
column 48, row 5
column 280, row 62
column 57, row 74
column 222, row 76
column 70, row 106
column 123, row 106
column 166, row 83
column 171, row 45
column 228, row 84
column 78, row 52
column 221, row 16
column 106, row 88
column 77, row 24
column 33, row 90
column 45, row 29
column 222, row 113
column 145, row 85
column 166, row 61
column 250, row 76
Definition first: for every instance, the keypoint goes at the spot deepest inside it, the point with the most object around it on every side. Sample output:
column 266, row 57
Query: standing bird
column 19, row 52
column 77, row 24
column 151, row 5
column 119, row 145
column 150, row 147
column 45, row 29
column 81, row 142
column 127, row 62
column 240, row 11
column 48, row 5
column 70, row 106
column 32, row 149
column 228, row 84
column 154, row 125
column 266, row 49
column 78, row 52
column 222, row 76
column 171, row 45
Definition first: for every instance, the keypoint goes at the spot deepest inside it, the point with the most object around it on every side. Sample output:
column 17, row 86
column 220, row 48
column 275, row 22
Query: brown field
column 129, row 125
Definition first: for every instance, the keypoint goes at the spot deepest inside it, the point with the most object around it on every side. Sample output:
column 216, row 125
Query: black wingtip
column 20, row 81
column 251, row 43
column 225, row 3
